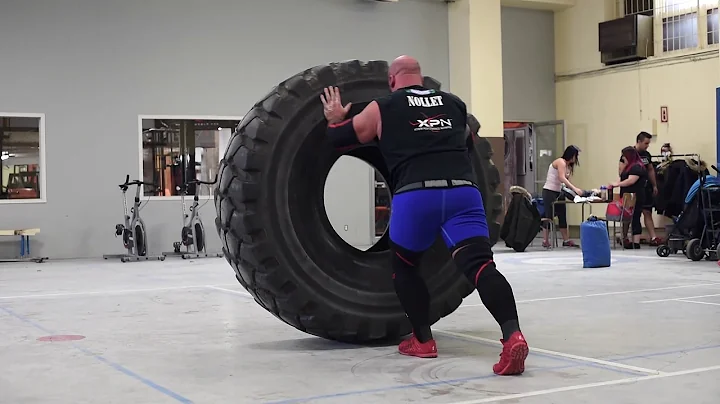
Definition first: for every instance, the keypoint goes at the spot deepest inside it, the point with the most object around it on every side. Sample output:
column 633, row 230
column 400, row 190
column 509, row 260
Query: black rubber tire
column 140, row 240
column 663, row 251
column 694, row 250
column 199, row 237
column 274, row 229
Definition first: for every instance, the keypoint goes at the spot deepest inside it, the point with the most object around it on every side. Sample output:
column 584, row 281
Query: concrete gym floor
column 646, row 330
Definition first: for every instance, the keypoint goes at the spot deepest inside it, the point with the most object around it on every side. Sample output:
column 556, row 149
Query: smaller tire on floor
column 663, row 251
column 694, row 250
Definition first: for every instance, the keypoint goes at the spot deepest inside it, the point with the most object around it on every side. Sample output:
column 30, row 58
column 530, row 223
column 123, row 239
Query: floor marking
column 238, row 292
column 562, row 354
column 118, row 367
column 450, row 382
column 698, row 302
column 654, row 289
column 102, row 292
column 679, row 298
column 622, row 292
column 566, row 268
column 453, row 382
column 529, row 300
column 628, row 380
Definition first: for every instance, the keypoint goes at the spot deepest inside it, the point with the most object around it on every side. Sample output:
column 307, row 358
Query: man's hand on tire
column 332, row 105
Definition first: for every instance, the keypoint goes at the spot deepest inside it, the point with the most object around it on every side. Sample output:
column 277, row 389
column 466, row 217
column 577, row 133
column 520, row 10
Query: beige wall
column 576, row 35
column 605, row 108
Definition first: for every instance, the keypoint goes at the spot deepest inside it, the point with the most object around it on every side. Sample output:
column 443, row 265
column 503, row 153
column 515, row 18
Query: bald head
column 404, row 65
column 404, row 71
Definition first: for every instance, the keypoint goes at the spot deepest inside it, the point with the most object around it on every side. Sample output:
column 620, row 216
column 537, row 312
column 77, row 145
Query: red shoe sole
column 518, row 353
column 419, row 355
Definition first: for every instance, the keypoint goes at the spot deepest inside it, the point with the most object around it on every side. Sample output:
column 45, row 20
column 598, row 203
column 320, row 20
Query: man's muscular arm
column 360, row 129
column 367, row 123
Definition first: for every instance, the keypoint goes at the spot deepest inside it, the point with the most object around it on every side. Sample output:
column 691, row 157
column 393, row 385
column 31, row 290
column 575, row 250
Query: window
column 176, row 150
column 713, row 36
column 678, row 24
column 644, row 7
column 681, row 26
column 680, row 32
column 22, row 157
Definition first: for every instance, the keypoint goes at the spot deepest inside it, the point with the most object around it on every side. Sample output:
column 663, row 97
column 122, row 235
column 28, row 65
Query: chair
column 552, row 231
column 552, row 227
column 628, row 202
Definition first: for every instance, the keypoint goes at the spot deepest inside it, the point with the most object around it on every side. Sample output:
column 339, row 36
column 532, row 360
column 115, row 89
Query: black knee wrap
column 474, row 258
column 411, row 290
column 404, row 260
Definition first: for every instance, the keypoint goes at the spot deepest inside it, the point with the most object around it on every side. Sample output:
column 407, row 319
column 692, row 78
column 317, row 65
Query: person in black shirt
column 642, row 142
column 633, row 179
column 425, row 140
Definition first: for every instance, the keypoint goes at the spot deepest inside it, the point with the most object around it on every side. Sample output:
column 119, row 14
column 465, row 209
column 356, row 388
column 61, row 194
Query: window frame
column 42, row 161
column 659, row 13
column 700, row 8
column 705, row 17
column 173, row 117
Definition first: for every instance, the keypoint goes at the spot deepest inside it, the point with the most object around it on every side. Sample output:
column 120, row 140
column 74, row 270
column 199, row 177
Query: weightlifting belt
column 434, row 184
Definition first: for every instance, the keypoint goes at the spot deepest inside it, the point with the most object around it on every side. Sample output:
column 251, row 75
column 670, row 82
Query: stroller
column 695, row 231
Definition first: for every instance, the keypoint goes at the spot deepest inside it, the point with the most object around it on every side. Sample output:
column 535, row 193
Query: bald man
column 426, row 143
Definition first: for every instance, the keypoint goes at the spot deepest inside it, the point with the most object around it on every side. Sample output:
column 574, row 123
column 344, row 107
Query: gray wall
column 351, row 212
column 93, row 66
column 528, row 56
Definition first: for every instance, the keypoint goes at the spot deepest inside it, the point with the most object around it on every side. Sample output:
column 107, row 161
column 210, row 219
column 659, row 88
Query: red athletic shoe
column 512, row 359
column 413, row 347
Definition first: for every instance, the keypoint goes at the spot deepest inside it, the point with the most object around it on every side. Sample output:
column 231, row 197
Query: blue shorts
column 417, row 217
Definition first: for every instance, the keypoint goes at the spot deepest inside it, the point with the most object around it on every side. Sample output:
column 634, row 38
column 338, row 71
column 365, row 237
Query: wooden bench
column 24, row 245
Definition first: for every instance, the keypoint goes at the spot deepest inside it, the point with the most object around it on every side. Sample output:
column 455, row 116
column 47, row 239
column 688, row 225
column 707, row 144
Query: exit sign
column 664, row 114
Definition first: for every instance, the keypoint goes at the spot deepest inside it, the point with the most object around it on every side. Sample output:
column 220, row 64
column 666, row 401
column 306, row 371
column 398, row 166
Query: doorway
column 530, row 147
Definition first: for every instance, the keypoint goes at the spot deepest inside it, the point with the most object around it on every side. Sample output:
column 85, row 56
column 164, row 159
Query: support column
column 476, row 61
column 476, row 69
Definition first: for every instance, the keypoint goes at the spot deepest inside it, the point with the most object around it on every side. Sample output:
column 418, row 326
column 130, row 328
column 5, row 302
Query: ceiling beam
column 553, row 5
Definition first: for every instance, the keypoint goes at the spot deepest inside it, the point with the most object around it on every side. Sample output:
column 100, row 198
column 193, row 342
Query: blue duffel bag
column 595, row 243
column 540, row 205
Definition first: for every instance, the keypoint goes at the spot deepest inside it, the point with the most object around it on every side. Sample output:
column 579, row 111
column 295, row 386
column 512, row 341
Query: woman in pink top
column 559, row 173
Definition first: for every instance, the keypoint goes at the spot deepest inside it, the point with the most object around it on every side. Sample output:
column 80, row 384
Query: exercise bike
column 133, row 232
column 192, row 236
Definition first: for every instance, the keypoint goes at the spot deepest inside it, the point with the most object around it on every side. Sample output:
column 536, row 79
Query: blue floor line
column 122, row 369
column 411, row 386
column 578, row 362
column 665, row 353
column 574, row 364
column 179, row 398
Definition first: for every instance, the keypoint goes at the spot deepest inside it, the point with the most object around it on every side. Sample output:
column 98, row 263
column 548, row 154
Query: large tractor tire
column 276, row 234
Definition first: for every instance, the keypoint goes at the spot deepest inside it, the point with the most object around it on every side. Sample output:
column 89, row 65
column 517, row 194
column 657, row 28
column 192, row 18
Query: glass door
column 549, row 144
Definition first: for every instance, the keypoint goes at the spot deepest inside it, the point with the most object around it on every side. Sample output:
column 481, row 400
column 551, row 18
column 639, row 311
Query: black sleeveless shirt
column 423, row 136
